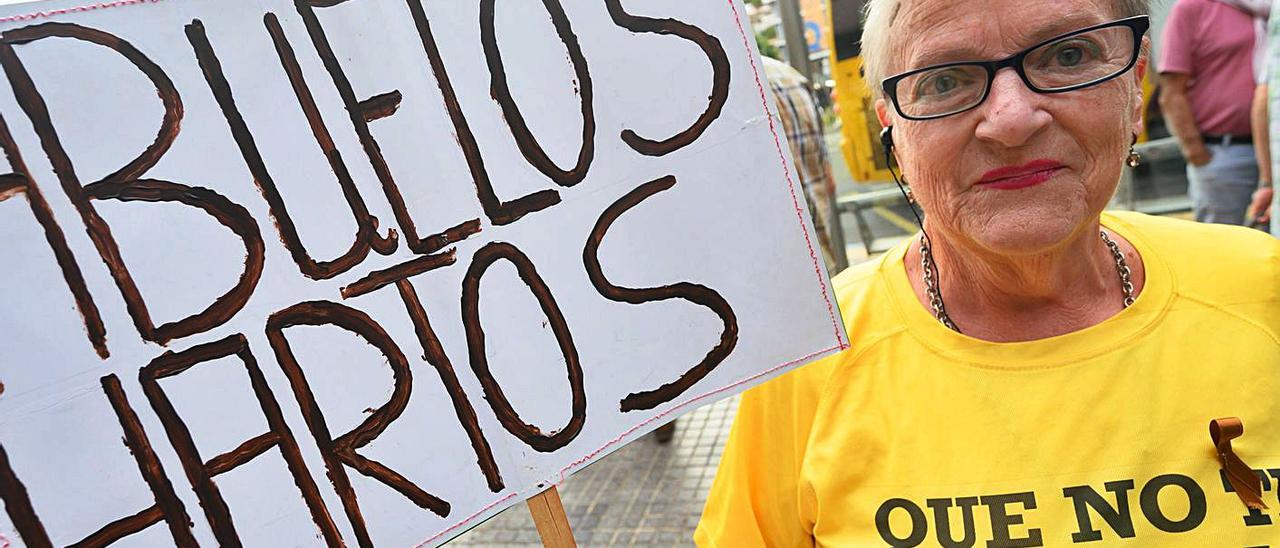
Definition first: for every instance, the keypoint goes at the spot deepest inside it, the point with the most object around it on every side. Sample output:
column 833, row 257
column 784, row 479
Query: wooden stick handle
column 553, row 524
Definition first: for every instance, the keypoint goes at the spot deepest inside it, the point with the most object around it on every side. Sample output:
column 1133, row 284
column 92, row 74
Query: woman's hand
column 1199, row 157
column 1260, row 209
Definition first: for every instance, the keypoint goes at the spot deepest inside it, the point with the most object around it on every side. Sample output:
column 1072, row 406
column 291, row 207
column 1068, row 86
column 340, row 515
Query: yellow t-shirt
column 920, row 436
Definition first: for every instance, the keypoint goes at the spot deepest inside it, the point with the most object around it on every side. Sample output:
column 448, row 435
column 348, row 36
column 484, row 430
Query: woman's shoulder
column 855, row 284
column 868, row 310
column 1220, row 265
column 1188, row 246
column 865, row 295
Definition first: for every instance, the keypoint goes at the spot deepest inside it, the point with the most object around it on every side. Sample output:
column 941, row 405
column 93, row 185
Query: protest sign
column 366, row 272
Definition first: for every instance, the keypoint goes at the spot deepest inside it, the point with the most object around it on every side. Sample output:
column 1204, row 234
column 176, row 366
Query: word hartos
column 340, row 451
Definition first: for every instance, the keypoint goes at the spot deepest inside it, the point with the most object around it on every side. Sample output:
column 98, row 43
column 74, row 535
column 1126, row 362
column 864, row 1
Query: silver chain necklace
column 940, row 311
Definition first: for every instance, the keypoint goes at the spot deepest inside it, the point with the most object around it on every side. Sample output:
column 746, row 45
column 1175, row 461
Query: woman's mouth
column 1023, row 176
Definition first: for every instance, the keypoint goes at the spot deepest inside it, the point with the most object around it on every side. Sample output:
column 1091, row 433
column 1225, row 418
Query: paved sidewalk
column 645, row 494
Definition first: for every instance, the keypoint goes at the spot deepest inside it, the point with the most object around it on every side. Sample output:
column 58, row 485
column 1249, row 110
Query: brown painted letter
column 719, row 77
column 341, row 451
column 433, row 351
column 127, row 185
column 201, row 472
column 20, row 181
column 691, row 292
column 366, row 224
column 498, row 211
column 507, row 415
column 363, row 112
column 167, row 508
column 501, row 92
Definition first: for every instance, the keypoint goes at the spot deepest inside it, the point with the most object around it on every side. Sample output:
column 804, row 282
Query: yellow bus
column 860, row 129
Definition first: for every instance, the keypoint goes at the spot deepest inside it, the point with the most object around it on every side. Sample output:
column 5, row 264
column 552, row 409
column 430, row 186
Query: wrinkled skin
column 1026, row 263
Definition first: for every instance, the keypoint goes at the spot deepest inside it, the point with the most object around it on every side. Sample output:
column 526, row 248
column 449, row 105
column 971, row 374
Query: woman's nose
column 1012, row 113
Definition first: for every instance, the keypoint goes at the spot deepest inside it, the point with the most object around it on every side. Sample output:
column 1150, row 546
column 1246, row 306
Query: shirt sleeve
column 758, row 498
column 1271, row 45
column 1178, row 42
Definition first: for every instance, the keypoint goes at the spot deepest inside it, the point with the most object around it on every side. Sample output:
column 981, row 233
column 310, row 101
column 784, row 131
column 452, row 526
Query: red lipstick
column 1023, row 176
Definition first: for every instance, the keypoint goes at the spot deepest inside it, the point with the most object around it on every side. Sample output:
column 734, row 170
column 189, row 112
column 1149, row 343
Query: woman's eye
column 939, row 84
column 1069, row 56
column 943, row 84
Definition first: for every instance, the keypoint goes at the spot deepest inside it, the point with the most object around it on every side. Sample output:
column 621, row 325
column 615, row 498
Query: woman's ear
column 1139, row 75
column 1144, row 59
column 882, row 112
column 886, row 122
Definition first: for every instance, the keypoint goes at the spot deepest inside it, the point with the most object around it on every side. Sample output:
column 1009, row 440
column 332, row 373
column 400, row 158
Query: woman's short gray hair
column 880, row 15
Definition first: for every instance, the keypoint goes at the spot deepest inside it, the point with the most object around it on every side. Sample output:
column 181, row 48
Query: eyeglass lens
column 1066, row 63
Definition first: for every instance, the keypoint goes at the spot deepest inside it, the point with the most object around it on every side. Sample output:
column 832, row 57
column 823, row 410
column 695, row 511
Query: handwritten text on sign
column 363, row 272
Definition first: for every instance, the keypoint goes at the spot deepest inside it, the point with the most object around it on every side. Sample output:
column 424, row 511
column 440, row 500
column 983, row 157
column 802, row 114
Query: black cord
column 933, row 260
column 910, row 203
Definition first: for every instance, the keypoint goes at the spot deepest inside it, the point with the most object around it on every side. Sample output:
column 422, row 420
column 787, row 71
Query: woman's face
column 1070, row 145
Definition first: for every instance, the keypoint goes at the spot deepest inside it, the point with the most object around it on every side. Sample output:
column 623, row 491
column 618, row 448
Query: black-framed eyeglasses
column 1076, row 60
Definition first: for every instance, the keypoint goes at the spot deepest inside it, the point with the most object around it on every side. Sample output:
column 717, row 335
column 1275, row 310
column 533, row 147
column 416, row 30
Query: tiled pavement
column 645, row 494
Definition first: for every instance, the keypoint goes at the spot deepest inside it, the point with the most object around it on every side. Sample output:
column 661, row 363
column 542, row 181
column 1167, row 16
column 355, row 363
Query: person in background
column 1259, row 214
column 1207, row 86
column 802, row 122
column 1266, row 202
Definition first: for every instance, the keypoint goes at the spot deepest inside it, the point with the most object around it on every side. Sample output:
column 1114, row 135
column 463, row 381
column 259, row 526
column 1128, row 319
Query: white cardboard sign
column 366, row 272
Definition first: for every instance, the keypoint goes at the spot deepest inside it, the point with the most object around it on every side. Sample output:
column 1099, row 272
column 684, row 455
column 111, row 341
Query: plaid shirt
column 803, row 126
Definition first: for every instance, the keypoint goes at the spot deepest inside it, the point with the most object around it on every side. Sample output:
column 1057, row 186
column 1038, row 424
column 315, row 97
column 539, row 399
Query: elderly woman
column 1030, row 371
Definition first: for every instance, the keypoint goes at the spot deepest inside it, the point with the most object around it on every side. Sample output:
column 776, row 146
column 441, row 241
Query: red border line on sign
column 77, row 9
column 461, row 523
column 795, row 202
column 687, row 403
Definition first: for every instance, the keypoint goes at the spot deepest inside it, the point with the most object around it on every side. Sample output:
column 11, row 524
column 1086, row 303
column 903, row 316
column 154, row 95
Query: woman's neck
column 1020, row 298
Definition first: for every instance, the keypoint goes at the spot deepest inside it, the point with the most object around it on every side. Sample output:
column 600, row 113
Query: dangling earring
column 1134, row 158
column 911, row 197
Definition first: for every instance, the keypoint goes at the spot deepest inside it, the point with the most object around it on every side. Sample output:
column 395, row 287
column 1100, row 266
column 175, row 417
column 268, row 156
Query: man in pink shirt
column 1207, row 85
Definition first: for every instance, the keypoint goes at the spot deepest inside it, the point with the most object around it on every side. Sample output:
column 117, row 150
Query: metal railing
column 857, row 204
column 1153, row 152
